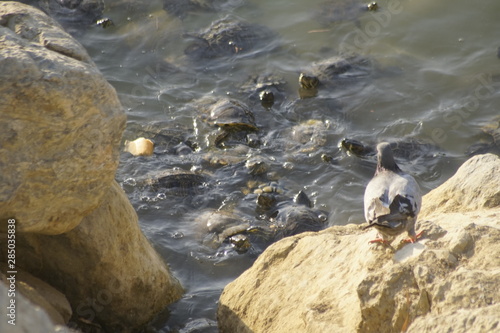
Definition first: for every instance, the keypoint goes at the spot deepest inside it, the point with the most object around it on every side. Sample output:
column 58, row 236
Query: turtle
column 492, row 131
column 335, row 11
column 266, row 88
column 420, row 158
column 268, row 196
column 228, row 37
column 334, row 71
column 179, row 182
column 406, row 148
column 223, row 226
column 257, row 164
column 280, row 215
column 299, row 142
column 246, row 159
column 291, row 217
column 307, row 136
column 233, row 118
column 74, row 15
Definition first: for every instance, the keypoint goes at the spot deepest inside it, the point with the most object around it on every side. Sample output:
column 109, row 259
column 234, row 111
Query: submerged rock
column 335, row 281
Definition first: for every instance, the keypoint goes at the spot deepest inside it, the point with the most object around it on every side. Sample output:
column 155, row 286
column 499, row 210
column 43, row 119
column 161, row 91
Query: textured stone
column 29, row 317
column 105, row 266
column 482, row 320
column 334, row 281
column 60, row 127
column 476, row 185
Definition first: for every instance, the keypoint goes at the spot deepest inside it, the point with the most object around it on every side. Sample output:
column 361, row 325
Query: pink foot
column 379, row 240
column 413, row 239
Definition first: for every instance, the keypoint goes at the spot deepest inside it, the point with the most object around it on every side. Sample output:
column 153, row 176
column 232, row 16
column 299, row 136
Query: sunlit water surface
column 435, row 81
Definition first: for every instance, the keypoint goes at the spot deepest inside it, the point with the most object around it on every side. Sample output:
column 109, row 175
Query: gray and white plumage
column 392, row 198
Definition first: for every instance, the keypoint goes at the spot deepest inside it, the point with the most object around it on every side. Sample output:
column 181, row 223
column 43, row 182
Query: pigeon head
column 385, row 158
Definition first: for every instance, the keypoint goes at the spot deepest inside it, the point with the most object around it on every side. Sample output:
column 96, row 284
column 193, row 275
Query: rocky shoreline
column 79, row 252
column 335, row 281
column 83, row 261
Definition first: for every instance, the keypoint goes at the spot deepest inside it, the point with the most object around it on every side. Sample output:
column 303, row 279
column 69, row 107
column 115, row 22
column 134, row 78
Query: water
column 436, row 81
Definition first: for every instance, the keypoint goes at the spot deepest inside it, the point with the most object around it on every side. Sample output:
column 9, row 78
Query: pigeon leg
column 413, row 239
column 379, row 240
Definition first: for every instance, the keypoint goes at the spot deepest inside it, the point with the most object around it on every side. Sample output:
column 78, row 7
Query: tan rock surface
column 60, row 128
column 475, row 186
column 334, row 281
column 105, row 266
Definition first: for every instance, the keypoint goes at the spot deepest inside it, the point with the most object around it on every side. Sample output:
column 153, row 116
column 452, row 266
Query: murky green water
column 435, row 81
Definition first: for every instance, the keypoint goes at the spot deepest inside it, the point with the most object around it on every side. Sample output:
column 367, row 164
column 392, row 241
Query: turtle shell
column 343, row 10
column 492, row 131
column 228, row 36
column 179, row 182
column 408, row 149
column 342, row 68
column 231, row 115
column 294, row 217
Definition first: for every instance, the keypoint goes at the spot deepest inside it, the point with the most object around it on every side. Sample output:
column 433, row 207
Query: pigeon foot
column 379, row 240
column 413, row 239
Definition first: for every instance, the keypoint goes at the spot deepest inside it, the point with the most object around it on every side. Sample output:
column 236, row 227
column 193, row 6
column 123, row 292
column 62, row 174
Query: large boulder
column 60, row 128
column 105, row 266
column 335, row 281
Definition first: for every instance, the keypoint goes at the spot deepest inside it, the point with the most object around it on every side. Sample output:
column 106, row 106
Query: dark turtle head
column 385, row 158
column 302, row 199
column 372, row 6
column 355, row 147
column 308, row 81
column 241, row 243
column 266, row 200
column 266, row 98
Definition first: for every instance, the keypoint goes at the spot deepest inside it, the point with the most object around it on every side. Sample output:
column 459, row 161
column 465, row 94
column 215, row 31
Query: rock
column 120, row 282
column 61, row 124
column 463, row 321
column 41, row 294
column 463, row 193
column 334, row 281
column 29, row 317
column 140, row 147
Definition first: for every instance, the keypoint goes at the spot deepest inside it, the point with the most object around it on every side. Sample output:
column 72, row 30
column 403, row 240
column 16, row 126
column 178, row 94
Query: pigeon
column 392, row 199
